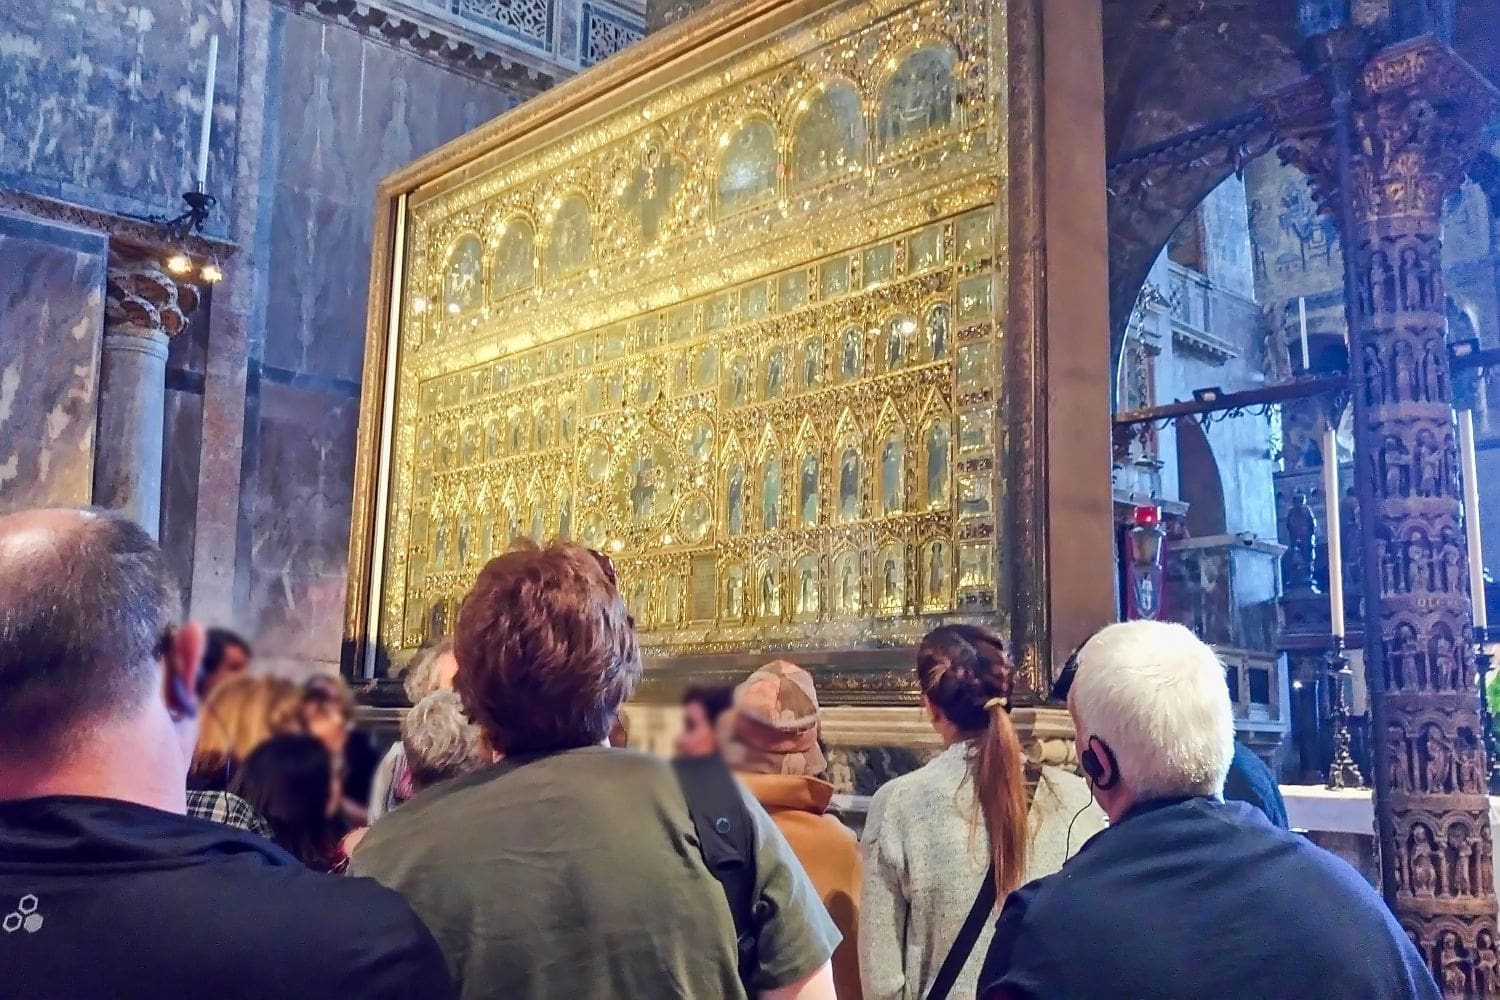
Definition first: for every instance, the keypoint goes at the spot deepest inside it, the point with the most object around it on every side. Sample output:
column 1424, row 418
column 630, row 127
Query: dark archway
column 1198, row 481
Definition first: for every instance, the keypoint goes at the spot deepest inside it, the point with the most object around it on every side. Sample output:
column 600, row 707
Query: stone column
column 1415, row 112
column 144, row 308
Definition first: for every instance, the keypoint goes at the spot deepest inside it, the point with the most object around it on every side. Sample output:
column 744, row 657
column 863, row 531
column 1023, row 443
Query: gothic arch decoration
column 769, row 483
column 807, row 587
column 570, row 240
column 735, row 488
column 829, row 137
column 847, row 584
column 515, row 257
column 935, row 569
column 748, row 166
column 890, row 579
column 847, row 466
column 770, row 597
column 735, row 601
column 919, row 97
column 890, row 435
column 1200, row 483
column 463, row 275
column 809, row 452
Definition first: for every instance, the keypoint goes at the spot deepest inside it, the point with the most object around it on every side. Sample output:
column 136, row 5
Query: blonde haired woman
column 239, row 716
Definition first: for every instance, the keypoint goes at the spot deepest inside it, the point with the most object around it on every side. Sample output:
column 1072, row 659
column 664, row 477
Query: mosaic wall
column 743, row 336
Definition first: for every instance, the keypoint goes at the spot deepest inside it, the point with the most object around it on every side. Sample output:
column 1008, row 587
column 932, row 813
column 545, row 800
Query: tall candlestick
column 1471, row 516
column 208, row 112
column 1332, row 530
column 1302, row 321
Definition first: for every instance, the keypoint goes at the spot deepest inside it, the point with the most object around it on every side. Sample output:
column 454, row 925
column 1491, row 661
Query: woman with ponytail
column 934, row 836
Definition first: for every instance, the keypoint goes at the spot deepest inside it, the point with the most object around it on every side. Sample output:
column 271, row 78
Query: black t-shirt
column 1193, row 898
column 101, row 898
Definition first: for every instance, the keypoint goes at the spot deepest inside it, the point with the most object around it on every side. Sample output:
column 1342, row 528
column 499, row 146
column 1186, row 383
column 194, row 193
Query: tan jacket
column 830, row 853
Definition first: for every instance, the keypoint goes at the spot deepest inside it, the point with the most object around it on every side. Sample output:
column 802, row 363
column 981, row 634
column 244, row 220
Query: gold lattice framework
column 739, row 320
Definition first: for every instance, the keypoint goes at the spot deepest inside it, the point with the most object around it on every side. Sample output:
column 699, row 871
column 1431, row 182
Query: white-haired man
column 1186, row 895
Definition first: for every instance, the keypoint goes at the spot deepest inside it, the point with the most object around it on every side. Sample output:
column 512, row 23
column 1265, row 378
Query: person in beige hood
column 771, row 741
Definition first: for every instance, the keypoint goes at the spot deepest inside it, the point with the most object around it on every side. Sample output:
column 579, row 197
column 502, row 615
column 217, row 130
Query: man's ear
column 182, row 660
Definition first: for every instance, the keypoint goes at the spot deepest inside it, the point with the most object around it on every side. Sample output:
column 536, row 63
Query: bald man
column 106, row 887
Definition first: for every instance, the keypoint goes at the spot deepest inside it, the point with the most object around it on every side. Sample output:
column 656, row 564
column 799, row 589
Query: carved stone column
column 1415, row 113
column 144, row 308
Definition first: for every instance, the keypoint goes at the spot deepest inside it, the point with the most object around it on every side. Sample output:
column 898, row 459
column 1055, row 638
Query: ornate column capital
column 142, row 298
column 1417, row 111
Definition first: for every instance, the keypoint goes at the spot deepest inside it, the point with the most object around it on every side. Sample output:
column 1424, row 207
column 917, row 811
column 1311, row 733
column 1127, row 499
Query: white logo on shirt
column 25, row 917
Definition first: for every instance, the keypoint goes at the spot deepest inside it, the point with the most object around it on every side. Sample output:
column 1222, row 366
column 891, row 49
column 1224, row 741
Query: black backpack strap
column 968, row 936
column 726, row 836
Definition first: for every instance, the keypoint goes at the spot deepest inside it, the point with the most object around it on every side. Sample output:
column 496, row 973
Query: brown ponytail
column 967, row 676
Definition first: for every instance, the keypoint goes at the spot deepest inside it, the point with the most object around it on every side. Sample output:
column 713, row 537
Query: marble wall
column 347, row 110
column 100, row 102
column 51, row 323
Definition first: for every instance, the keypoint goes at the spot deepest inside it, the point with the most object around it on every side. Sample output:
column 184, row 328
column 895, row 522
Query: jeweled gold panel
column 744, row 333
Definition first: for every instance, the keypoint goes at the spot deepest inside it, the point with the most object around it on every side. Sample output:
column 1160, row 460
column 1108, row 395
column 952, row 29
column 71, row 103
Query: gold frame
column 857, row 677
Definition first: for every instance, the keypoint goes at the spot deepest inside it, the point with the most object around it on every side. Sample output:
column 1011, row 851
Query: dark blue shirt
column 112, row 899
column 1192, row 898
column 1250, row 780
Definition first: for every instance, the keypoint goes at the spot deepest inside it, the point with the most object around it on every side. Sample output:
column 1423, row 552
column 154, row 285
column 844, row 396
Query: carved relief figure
column 1404, row 370
column 1374, row 376
column 1381, row 283
column 1387, row 564
column 1393, row 470
column 1434, row 376
column 1401, row 655
column 770, row 595
column 1410, row 294
column 1439, row 759
column 1429, row 466
column 1442, row 662
column 1470, row 763
column 1486, row 965
column 1455, row 977
column 1423, row 872
column 1461, row 884
column 1452, row 562
column 1399, row 756
column 1418, row 567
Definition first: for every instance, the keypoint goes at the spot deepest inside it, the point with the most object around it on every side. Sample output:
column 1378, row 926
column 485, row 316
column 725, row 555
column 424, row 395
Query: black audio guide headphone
column 1089, row 758
column 1094, row 767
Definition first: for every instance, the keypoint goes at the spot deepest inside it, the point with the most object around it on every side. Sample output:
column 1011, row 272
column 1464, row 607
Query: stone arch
column 1200, row 483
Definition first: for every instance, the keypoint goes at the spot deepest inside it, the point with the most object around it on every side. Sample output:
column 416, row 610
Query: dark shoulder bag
column 968, row 936
column 726, row 836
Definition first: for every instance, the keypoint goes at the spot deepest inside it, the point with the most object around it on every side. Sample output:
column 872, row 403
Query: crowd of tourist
column 174, row 823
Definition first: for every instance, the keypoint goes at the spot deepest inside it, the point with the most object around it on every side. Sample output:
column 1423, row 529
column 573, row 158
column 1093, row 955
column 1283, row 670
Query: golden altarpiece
column 739, row 308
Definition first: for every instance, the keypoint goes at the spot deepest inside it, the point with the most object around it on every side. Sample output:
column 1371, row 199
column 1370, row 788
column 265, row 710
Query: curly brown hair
column 548, row 650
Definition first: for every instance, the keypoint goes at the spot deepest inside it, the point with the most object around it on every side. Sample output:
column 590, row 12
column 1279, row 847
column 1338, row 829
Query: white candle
column 1471, row 516
column 1302, row 320
column 1331, row 529
column 208, row 112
